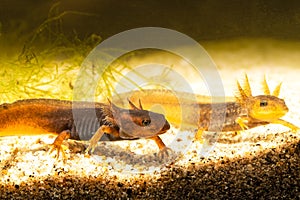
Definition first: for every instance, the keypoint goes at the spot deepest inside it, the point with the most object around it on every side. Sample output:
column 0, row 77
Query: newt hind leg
column 57, row 144
column 199, row 136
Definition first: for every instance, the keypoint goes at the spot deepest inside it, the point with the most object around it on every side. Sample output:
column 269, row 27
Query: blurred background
column 42, row 43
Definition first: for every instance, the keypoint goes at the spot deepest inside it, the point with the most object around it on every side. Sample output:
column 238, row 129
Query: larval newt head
column 267, row 107
column 138, row 123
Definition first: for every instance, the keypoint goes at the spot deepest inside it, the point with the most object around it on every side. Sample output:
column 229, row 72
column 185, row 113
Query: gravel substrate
column 271, row 174
column 246, row 166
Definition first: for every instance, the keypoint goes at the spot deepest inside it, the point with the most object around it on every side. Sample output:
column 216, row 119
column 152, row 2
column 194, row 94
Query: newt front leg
column 287, row 124
column 163, row 149
column 97, row 136
column 242, row 121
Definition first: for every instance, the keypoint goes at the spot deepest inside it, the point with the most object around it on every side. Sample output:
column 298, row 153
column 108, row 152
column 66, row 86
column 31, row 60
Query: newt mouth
column 165, row 128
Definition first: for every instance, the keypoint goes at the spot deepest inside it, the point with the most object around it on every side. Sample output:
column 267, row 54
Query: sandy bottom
column 263, row 162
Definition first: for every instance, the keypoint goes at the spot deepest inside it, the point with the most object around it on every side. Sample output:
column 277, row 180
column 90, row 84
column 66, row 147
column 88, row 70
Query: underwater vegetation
column 48, row 62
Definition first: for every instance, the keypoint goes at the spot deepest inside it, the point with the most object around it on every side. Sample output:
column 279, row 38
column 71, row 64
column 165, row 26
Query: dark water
column 202, row 20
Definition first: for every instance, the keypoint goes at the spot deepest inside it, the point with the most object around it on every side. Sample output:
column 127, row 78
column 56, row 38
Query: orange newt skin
column 245, row 111
column 56, row 116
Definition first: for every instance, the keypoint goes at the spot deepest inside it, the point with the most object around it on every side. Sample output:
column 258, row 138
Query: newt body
column 93, row 120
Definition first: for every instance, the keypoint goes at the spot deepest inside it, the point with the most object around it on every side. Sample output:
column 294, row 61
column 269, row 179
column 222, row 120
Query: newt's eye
column 263, row 103
column 146, row 122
